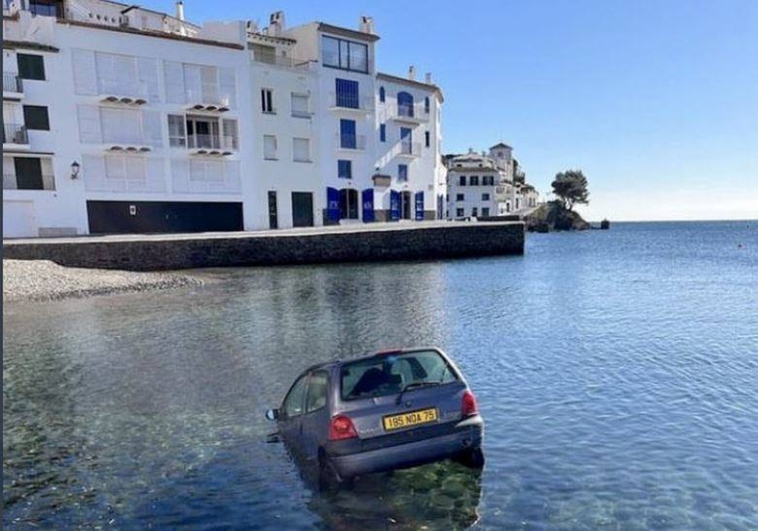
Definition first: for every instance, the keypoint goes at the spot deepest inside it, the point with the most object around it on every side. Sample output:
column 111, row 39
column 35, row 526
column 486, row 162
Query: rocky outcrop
column 553, row 216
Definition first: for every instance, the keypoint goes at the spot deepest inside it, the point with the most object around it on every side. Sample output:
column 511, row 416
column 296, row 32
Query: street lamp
column 75, row 170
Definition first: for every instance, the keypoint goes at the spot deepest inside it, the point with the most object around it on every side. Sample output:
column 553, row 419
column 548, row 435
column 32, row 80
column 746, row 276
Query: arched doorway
column 348, row 203
column 406, row 205
column 405, row 104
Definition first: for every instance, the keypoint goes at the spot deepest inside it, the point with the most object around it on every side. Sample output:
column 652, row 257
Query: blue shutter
column 419, row 206
column 347, row 93
column 394, row 205
column 333, row 204
column 368, row 205
column 347, row 134
column 440, row 206
column 382, row 132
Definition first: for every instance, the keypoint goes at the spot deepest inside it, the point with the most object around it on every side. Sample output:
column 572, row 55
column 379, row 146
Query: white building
column 122, row 119
column 487, row 184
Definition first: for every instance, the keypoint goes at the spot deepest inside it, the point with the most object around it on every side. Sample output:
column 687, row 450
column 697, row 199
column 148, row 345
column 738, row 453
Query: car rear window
column 390, row 374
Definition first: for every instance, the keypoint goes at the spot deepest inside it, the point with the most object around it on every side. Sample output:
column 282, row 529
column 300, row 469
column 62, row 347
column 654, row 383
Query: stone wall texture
column 441, row 240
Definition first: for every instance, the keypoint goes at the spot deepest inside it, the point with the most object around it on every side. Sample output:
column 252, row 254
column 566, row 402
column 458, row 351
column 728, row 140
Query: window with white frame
column 230, row 134
column 125, row 168
column 176, row 130
column 300, row 105
column 301, row 150
column 121, row 125
column 269, row 147
column 204, row 170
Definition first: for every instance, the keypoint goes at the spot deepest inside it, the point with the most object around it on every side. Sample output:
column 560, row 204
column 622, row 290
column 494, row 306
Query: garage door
column 19, row 220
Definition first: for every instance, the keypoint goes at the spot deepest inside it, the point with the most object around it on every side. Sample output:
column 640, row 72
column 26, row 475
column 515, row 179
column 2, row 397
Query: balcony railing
column 408, row 113
column 12, row 83
column 11, row 182
column 14, row 134
column 289, row 62
column 412, row 149
column 345, row 141
column 212, row 142
column 351, row 101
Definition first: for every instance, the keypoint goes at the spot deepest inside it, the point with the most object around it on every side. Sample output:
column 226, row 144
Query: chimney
column 366, row 25
column 412, row 73
column 180, row 10
column 428, row 78
column 470, row 151
column 276, row 24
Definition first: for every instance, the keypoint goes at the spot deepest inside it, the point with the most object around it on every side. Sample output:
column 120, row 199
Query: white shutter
column 229, row 130
column 192, row 84
column 173, row 78
column 127, row 80
column 155, row 169
column 148, row 79
column 115, row 168
column 85, row 72
column 228, row 87
column 301, row 149
column 89, row 124
column 110, row 123
column 209, row 80
column 135, row 168
column 269, row 147
column 232, row 171
column 106, row 73
column 180, row 175
column 93, row 172
column 151, row 125
column 299, row 104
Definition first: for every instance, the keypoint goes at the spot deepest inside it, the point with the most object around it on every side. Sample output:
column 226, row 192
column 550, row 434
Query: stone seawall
column 433, row 240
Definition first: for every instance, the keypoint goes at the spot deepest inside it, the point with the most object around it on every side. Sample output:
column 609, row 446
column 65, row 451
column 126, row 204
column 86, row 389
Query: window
column 176, row 131
column 31, row 66
column 382, row 95
column 427, row 105
column 46, row 8
column 35, row 118
column 202, row 132
column 345, row 169
column 301, row 150
column 348, row 138
column 347, row 93
column 474, row 180
column 382, row 133
column 460, row 197
column 300, row 106
column 31, row 174
column 123, row 126
column 485, row 212
column 402, row 172
column 458, row 212
column 474, row 211
column 387, row 375
column 346, row 55
column 267, row 101
column 125, row 168
column 269, row 147
column 405, row 104
column 230, row 138
column 348, row 203
column 427, row 138
column 315, row 397
column 462, row 180
column 485, row 197
column 293, row 403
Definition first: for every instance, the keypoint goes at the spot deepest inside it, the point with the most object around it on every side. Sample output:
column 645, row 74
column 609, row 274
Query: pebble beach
column 43, row 280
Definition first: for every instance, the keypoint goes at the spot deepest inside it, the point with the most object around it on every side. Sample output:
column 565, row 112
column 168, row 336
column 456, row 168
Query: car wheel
column 328, row 478
column 473, row 458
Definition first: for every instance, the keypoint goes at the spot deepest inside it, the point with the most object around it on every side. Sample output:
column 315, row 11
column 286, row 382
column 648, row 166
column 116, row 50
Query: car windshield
column 391, row 374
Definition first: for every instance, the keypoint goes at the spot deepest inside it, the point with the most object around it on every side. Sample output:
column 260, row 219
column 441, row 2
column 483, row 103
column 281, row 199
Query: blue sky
column 656, row 101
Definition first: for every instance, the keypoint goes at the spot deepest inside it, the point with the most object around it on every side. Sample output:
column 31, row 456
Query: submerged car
column 389, row 410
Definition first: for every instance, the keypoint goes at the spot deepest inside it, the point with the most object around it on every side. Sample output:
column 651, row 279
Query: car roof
column 387, row 352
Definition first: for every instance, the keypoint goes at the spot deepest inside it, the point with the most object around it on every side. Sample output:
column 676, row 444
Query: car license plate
column 412, row 418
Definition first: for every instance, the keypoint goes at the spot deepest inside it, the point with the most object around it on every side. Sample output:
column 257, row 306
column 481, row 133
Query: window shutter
column 333, row 204
column 154, row 169
column 180, row 175
column 148, row 79
column 229, row 131
column 93, row 172
column 89, row 124
column 210, row 84
column 173, row 78
column 151, row 125
column 85, row 72
column 228, row 87
column 232, row 172
column 419, row 206
column 192, row 84
column 368, row 205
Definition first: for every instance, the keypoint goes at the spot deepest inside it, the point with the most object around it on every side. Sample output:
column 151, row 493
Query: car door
column 316, row 418
column 291, row 413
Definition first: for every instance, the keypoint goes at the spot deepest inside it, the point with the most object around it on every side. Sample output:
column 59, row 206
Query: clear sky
column 655, row 100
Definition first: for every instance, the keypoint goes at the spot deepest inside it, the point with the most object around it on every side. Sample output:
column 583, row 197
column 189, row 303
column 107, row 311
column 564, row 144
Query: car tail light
column 341, row 428
column 468, row 404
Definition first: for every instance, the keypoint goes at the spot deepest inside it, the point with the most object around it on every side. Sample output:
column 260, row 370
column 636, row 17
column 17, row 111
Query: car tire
column 328, row 478
column 473, row 458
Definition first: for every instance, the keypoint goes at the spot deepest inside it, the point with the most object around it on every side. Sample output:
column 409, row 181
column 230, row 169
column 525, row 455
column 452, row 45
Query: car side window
column 317, row 390
column 293, row 403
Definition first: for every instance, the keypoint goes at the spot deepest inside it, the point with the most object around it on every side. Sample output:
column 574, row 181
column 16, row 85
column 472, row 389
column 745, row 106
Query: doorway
column 302, row 209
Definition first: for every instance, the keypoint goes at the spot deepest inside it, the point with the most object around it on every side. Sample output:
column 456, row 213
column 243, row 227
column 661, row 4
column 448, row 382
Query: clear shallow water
column 617, row 373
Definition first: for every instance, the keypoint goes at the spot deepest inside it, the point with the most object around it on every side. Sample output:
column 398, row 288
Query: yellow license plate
column 412, row 418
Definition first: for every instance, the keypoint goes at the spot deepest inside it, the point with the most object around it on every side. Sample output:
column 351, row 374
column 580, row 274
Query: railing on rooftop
column 278, row 60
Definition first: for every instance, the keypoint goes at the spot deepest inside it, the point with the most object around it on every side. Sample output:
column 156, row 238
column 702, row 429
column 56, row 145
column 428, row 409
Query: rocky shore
column 42, row 280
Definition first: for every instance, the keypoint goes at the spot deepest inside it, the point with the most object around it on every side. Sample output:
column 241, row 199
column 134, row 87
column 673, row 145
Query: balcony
column 350, row 103
column 14, row 135
column 214, row 145
column 277, row 60
column 351, row 142
column 13, row 86
column 11, row 181
column 409, row 149
column 413, row 114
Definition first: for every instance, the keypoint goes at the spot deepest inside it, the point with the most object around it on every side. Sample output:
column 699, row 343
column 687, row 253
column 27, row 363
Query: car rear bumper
column 463, row 435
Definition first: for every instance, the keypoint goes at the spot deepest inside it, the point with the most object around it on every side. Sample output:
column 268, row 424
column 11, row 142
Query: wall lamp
column 75, row 170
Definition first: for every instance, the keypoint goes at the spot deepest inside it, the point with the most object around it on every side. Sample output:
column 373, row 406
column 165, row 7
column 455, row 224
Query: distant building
column 121, row 119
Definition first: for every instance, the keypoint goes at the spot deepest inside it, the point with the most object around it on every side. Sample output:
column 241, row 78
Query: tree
column 571, row 187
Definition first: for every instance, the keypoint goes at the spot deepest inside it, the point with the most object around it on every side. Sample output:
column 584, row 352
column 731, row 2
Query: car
column 389, row 410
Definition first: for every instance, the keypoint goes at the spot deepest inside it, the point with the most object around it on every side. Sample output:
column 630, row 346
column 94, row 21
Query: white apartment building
column 120, row 119
column 487, row 184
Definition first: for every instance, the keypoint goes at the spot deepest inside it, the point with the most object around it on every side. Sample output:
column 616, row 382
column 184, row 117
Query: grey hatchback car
column 389, row 410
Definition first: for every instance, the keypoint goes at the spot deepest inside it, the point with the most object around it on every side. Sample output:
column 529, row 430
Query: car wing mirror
column 272, row 414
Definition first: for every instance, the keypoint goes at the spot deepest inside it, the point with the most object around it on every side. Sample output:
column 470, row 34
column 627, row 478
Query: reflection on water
column 615, row 371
